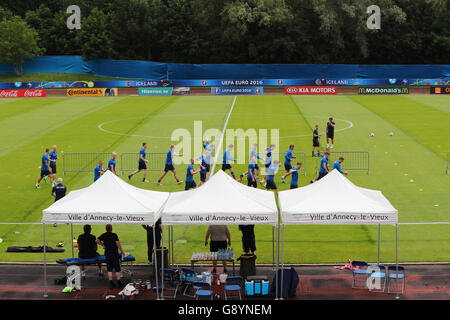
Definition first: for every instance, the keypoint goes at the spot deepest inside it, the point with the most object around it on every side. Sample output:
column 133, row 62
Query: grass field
column 416, row 152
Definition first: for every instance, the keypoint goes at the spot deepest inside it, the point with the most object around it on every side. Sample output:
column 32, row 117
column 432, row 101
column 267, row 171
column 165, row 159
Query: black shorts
column 287, row 167
column 142, row 165
column 169, row 167
column 330, row 135
column 113, row 263
column 294, row 186
column 267, row 165
column 271, row 185
column 214, row 246
column 251, row 183
column 45, row 173
column 249, row 244
column 207, row 168
column 190, row 185
column 256, row 167
column 321, row 175
column 203, row 177
column 226, row 166
column 316, row 143
column 53, row 166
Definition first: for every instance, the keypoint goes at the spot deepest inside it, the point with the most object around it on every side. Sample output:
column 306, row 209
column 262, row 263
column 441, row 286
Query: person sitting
column 110, row 241
column 87, row 249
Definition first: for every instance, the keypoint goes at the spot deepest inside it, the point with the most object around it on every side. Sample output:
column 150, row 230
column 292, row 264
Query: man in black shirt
column 87, row 247
column 248, row 238
column 110, row 241
column 330, row 132
column 59, row 191
column 316, row 143
column 150, row 244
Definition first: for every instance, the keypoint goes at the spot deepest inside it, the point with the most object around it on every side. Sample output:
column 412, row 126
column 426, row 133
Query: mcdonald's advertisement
column 383, row 90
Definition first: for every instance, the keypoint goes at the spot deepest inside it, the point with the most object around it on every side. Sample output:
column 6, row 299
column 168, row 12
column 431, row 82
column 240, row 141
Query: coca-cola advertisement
column 28, row 93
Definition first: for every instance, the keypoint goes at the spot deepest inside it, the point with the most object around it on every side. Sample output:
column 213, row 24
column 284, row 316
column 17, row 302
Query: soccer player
column 142, row 163
column 288, row 156
column 251, row 173
column 59, row 190
column 45, row 167
column 190, row 183
column 226, row 161
column 330, row 132
column 270, row 176
column 53, row 156
column 204, row 167
column 337, row 165
column 316, row 143
column 253, row 153
column 112, row 163
column 294, row 172
column 169, row 165
column 98, row 171
column 323, row 171
column 268, row 161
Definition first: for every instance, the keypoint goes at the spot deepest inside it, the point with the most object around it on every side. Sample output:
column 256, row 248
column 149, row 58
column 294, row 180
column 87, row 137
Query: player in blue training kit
column 169, row 165
column 268, row 161
column 98, row 171
column 53, row 156
column 190, row 183
column 294, row 173
column 288, row 157
column 337, row 165
column 323, row 171
column 112, row 163
column 45, row 167
column 204, row 162
column 226, row 161
column 142, row 162
column 253, row 153
column 251, row 173
column 270, row 176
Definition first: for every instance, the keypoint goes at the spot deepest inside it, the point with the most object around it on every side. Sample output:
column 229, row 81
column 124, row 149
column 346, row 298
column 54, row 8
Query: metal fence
column 353, row 160
column 130, row 161
column 83, row 162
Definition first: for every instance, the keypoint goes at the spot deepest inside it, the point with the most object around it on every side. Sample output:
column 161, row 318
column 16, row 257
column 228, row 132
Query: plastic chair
column 395, row 275
column 203, row 289
column 360, row 271
column 172, row 278
column 377, row 272
column 188, row 277
column 233, row 285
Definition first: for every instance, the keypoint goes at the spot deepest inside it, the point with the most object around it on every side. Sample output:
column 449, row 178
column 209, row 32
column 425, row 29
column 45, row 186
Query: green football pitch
column 408, row 167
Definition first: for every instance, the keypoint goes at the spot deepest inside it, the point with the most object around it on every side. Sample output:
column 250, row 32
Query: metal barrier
column 353, row 160
column 83, row 162
column 130, row 161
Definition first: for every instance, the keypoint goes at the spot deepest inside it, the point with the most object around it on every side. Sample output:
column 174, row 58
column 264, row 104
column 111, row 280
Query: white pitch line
column 221, row 138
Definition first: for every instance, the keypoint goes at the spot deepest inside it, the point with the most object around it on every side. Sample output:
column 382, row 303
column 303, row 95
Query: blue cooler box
column 257, row 288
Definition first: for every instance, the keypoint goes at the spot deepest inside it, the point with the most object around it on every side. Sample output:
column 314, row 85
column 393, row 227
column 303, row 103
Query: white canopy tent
column 335, row 200
column 109, row 200
column 221, row 200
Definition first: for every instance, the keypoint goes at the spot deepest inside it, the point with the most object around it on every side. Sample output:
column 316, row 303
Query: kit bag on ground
column 33, row 249
column 247, row 265
column 290, row 283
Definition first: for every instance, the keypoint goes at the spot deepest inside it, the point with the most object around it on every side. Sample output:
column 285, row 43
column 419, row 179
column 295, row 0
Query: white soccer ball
column 391, row 134
column 372, row 134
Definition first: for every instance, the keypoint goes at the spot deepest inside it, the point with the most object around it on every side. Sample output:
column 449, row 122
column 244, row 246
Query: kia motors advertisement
column 322, row 90
column 31, row 93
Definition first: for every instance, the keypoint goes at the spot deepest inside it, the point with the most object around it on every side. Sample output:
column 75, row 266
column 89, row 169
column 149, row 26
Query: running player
column 169, row 165
column 53, row 156
column 294, row 172
column 253, row 153
column 251, row 173
column 337, row 165
column 270, row 176
column 330, row 132
column 112, row 163
column 45, row 167
column 316, row 143
column 204, row 167
column 268, row 161
column 190, row 183
column 142, row 163
column 98, row 171
column 226, row 161
column 288, row 156
column 324, row 166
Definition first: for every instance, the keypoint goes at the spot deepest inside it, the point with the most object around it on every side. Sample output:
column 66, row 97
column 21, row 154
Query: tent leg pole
column 379, row 238
column 45, row 263
column 273, row 248
column 162, row 263
column 71, row 237
column 169, row 245
column 282, row 263
column 278, row 260
column 173, row 247
column 155, row 262
column 396, row 260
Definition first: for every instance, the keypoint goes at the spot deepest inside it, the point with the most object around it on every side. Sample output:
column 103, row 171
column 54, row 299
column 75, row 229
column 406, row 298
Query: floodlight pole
column 45, row 264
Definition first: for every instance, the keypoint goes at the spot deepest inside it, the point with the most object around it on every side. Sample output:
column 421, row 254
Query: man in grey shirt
column 219, row 235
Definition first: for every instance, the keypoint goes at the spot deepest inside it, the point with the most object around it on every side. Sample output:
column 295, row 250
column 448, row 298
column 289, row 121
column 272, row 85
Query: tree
column 18, row 41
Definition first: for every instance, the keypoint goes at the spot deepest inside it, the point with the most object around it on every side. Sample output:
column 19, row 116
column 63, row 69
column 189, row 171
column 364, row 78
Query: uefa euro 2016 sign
column 237, row 90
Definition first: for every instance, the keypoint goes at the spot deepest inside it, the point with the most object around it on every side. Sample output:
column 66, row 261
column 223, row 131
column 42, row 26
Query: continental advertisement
column 440, row 90
column 383, row 90
column 93, row 92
